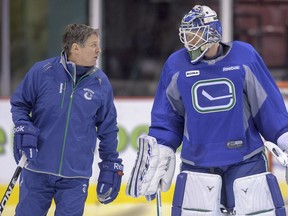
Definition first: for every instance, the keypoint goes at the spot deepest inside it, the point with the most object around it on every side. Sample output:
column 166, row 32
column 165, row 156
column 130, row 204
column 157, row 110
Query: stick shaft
column 159, row 203
column 12, row 183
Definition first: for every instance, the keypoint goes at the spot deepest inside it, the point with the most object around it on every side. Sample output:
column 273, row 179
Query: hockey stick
column 12, row 182
column 159, row 203
column 281, row 156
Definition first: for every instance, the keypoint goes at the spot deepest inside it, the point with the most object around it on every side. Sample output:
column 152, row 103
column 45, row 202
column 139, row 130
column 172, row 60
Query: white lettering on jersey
column 231, row 68
column 192, row 73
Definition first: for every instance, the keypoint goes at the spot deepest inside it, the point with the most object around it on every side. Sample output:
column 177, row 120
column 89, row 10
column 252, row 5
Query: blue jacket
column 70, row 114
column 218, row 108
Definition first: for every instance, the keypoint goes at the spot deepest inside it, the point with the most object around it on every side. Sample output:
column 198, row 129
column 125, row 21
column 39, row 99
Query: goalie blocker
column 154, row 168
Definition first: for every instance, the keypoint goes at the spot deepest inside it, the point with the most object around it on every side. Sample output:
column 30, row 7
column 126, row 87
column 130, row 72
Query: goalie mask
column 199, row 29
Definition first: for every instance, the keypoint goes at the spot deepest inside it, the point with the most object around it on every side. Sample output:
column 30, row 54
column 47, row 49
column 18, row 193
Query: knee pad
column 258, row 195
column 197, row 194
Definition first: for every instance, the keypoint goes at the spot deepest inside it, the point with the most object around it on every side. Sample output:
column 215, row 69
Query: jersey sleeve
column 167, row 115
column 267, row 105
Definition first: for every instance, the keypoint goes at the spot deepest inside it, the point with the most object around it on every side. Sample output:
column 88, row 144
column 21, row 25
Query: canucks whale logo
column 88, row 93
column 214, row 95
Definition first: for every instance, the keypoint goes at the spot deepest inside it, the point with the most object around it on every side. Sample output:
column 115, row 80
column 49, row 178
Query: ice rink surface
column 141, row 209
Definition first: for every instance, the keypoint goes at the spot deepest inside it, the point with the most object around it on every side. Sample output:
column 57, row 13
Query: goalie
column 217, row 99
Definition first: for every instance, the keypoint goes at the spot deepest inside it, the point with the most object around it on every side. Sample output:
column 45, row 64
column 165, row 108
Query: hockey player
column 59, row 109
column 219, row 100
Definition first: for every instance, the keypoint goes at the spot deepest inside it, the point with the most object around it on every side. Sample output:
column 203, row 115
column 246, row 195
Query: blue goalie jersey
column 218, row 109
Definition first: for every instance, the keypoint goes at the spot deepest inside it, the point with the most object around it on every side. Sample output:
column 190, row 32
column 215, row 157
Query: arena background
column 136, row 38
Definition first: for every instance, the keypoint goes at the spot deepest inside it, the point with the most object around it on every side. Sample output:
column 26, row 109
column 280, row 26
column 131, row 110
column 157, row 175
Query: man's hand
column 109, row 180
column 25, row 140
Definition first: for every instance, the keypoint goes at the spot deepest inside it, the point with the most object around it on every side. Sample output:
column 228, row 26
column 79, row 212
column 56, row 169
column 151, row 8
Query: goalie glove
column 282, row 142
column 154, row 168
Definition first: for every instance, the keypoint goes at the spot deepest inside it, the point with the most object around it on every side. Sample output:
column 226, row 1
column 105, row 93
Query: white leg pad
column 258, row 195
column 197, row 194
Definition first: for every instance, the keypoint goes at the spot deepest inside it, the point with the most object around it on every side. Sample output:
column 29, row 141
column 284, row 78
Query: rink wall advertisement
column 133, row 120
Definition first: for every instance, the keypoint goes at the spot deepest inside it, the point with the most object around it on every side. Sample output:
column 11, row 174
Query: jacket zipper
column 67, row 122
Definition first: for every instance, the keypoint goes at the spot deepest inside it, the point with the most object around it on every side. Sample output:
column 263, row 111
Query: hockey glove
column 109, row 180
column 25, row 140
column 282, row 142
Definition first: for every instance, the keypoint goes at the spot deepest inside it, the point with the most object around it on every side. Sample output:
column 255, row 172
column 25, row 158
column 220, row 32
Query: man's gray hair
column 76, row 33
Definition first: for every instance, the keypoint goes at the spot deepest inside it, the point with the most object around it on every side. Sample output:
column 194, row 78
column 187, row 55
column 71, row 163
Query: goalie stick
column 159, row 202
column 281, row 156
column 12, row 183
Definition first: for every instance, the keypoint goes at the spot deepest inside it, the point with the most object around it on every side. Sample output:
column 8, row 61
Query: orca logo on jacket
column 88, row 93
column 84, row 188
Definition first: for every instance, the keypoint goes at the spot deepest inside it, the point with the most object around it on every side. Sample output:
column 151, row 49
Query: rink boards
column 133, row 120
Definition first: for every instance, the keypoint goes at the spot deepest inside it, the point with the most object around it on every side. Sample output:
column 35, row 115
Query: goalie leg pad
column 258, row 194
column 197, row 194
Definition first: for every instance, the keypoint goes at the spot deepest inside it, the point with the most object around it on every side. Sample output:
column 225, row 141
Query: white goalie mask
column 199, row 29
